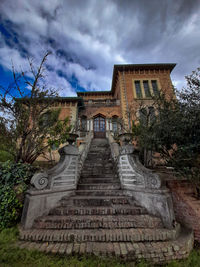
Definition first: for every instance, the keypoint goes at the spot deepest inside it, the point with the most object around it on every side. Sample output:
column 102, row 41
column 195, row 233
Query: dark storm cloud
column 87, row 37
column 11, row 37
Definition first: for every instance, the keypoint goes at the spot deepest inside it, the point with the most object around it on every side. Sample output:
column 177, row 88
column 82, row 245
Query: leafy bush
column 14, row 180
column 4, row 156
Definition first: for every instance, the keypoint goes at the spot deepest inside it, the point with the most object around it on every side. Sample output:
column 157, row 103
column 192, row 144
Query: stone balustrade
column 48, row 187
column 141, row 183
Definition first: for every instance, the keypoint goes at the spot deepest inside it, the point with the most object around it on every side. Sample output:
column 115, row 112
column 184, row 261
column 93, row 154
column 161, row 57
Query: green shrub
column 14, row 180
column 4, row 156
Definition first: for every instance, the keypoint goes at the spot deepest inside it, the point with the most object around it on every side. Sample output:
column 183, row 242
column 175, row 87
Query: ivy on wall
column 14, row 180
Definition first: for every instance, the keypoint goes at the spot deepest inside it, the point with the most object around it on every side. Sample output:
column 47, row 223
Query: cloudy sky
column 87, row 37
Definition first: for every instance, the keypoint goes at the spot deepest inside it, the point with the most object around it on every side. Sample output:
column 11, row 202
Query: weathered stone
column 101, row 219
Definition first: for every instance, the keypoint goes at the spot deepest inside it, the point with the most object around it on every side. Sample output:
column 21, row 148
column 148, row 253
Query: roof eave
column 124, row 67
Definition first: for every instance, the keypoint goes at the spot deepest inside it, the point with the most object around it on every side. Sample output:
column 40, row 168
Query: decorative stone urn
column 126, row 138
column 72, row 138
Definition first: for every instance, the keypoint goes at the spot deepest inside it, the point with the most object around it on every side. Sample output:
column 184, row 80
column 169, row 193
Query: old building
column 99, row 199
column 101, row 111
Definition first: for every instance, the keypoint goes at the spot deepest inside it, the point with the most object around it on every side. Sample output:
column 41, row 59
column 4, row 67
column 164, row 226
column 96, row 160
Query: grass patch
column 11, row 256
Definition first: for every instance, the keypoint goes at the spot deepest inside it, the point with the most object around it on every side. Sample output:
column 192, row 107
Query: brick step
column 100, row 150
column 96, row 171
column 96, row 164
column 95, row 200
column 98, row 175
column 101, row 186
column 116, row 210
column 99, row 235
column 155, row 252
column 98, row 158
column 97, row 154
column 100, row 192
column 98, row 180
column 97, row 221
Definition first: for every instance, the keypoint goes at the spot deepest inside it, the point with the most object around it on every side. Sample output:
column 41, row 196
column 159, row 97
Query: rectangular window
column 146, row 88
column 155, row 87
column 138, row 89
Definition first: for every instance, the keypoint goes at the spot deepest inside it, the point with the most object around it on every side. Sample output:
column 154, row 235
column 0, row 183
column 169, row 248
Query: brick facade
column 121, row 102
column 186, row 206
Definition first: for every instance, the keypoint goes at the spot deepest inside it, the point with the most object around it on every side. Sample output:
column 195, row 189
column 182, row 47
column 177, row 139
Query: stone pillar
column 88, row 125
column 91, row 123
column 111, row 125
column 107, row 125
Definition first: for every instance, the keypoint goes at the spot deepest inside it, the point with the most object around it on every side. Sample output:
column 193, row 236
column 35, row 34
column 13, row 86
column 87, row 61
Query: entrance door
column 99, row 127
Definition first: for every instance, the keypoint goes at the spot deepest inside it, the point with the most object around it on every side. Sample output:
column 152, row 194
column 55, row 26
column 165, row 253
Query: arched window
column 115, row 124
column 83, row 123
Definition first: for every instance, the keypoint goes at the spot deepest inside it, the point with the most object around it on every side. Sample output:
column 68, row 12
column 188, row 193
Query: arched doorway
column 99, row 127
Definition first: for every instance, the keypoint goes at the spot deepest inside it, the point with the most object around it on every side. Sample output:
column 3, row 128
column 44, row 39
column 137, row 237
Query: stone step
column 98, row 158
column 98, row 153
column 95, row 200
column 98, row 161
column 97, row 221
column 98, row 175
column 104, row 192
column 101, row 186
column 100, row 235
column 116, row 210
column 97, row 170
column 98, row 167
column 98, row 180
column 98, row 164
column 94, row 148
column 155, row 252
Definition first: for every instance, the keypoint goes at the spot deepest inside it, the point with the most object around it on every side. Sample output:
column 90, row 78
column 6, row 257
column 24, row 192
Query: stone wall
column 186, row 206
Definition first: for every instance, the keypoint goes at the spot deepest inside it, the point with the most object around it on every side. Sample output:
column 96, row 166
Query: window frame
column 141, row 82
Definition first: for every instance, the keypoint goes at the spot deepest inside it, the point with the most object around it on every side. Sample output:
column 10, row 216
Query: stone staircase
column 100, row 219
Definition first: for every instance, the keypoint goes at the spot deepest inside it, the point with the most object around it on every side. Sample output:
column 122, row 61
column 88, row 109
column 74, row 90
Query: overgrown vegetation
column 29, row 124
column 174, row 129
column 14, row 180
column 4, row 156
column 11, row 255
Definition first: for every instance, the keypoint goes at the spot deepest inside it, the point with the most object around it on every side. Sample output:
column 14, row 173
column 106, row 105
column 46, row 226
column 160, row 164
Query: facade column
column 107, row 124
column 88, row 125
column 91, row 124
column 111, row 125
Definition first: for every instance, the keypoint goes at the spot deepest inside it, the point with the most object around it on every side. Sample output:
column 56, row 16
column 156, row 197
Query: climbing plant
column 14, row 180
